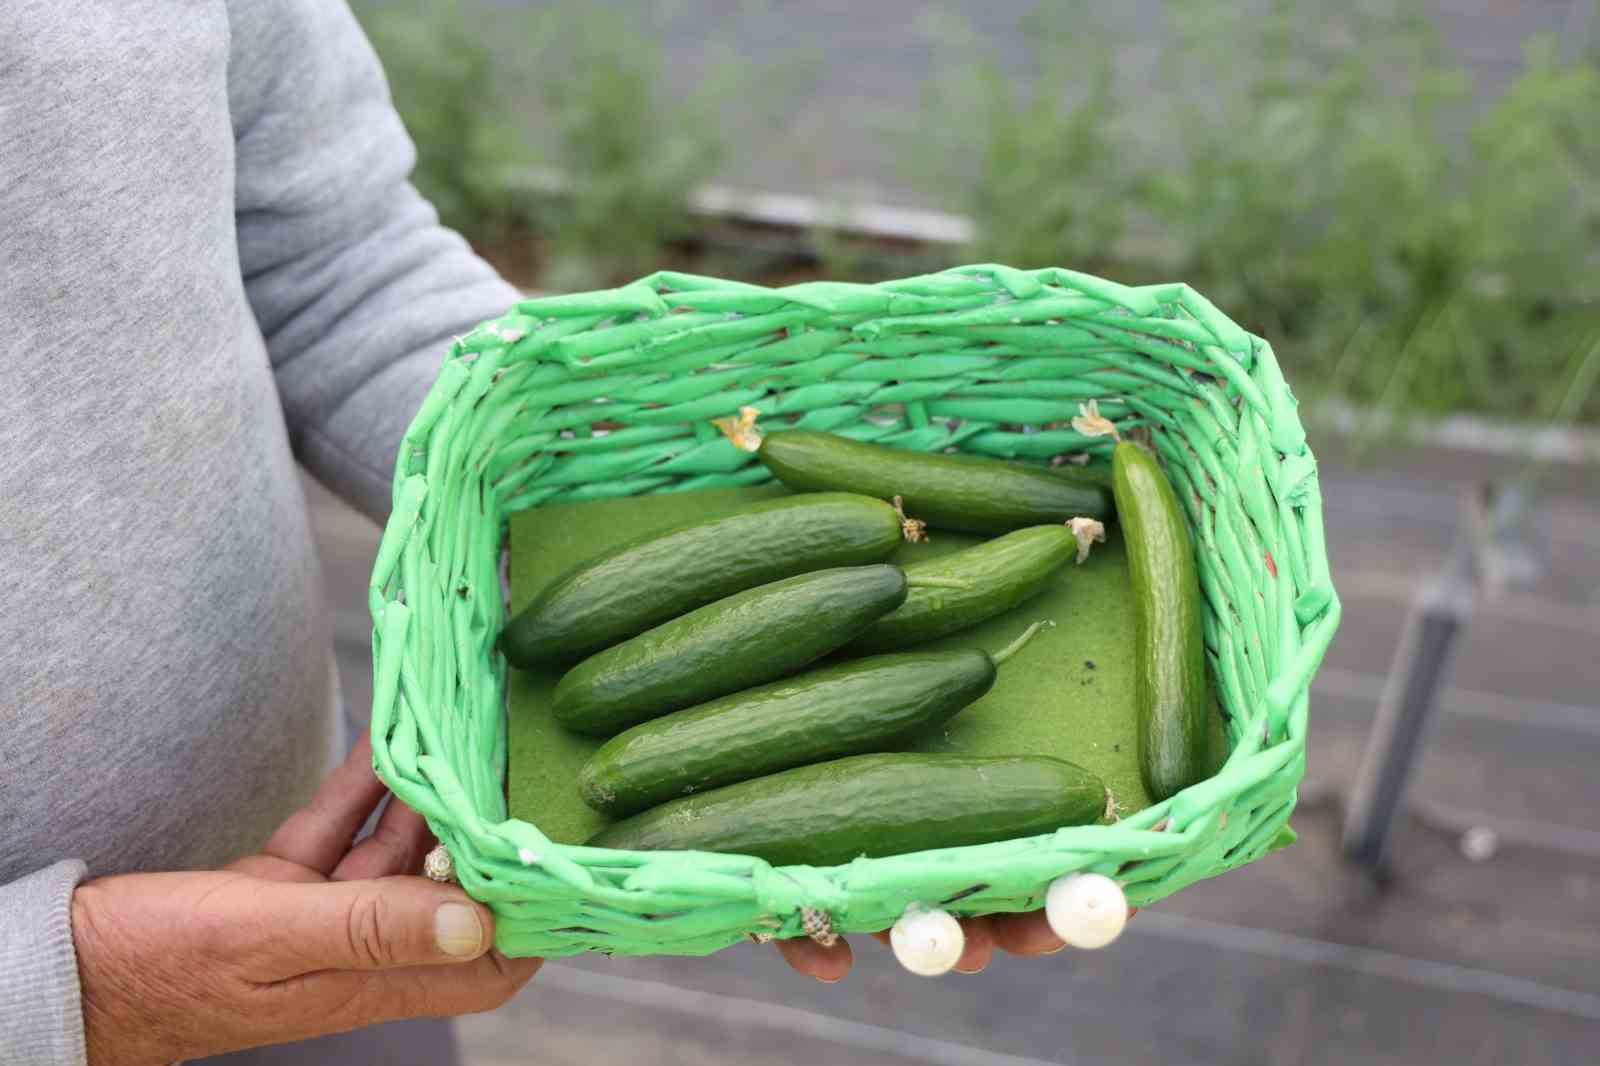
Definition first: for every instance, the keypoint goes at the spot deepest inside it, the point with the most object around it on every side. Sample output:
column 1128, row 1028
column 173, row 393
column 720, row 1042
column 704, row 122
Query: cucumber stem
column 913, row 529
column 1091, row 423
column 937, row 583
column 1017, row 645
column 1087, row 531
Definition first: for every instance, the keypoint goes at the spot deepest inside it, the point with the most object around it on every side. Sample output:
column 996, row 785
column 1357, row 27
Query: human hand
column 311, row 936
column 1016, row 934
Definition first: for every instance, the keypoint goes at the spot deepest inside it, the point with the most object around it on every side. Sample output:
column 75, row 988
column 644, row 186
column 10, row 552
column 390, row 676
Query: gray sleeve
column 357, row 288
column 41, row 1014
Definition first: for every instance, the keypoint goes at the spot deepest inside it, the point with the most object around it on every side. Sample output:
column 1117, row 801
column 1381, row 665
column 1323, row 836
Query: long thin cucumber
column 747, row 639
column 662, row 575
column 875, row 805
column 847, row 709
column 1170, row 671
column 999, row 575
column 957, row 492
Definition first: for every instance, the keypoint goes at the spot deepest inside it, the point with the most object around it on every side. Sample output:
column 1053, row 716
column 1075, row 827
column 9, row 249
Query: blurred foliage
column 629, row 157
column 452, row 94
column 1315, row 169
column 1037, row 166
column 1321, row 171
column 550, row 121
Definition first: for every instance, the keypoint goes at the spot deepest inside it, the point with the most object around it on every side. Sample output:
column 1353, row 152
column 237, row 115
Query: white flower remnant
column 1091, row 423
column 1088, row 531
column 741, row 431
column 913, row 529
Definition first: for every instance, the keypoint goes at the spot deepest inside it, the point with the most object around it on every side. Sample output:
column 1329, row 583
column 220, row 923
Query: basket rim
column 499, row 847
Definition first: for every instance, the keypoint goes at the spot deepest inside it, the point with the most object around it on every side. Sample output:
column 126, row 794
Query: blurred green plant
column 451, row 94
column 1533, row 195
column 630, row 157
column 1314, row 169
column 1038, row 165
column 1312, row 192
column 554, row 124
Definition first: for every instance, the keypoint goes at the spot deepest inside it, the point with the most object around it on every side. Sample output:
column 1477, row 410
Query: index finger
column 396, row 846
column 319, row 834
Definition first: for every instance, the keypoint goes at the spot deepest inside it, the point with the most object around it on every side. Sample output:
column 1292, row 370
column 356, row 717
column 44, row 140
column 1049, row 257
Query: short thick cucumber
column 846, row 709
column 654, row 578
column 959, row 492
column 1000, row 574
column 749, row 638
column 875, row 805
column 1169, row 651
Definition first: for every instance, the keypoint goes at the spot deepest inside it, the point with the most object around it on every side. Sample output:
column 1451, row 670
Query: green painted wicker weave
column 612, row 393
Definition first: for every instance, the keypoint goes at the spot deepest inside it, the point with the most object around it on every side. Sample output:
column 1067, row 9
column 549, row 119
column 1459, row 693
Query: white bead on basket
column 927, row 941
column 1086, row 910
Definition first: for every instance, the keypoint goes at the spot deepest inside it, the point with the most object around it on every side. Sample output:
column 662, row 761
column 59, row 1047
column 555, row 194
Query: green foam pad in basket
column 1069, row 693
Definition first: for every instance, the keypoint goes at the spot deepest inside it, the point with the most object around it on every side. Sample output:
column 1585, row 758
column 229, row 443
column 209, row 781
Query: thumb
column 374, row 925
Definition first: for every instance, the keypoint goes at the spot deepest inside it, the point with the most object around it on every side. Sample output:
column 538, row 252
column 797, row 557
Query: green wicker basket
column 612, row 393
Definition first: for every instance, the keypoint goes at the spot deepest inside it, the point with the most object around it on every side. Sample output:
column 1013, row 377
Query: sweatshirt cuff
column 41, row 1009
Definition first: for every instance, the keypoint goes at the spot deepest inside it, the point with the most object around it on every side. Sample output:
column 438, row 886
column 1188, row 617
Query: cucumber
column 658, row 577
column 846, row 709
column 829, row 813
column 749, row 638
column 1169, row 650
column 957, row 492
column 1000, row 574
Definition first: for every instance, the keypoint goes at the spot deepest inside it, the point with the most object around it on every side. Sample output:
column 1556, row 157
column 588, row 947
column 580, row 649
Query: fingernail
column 458, row 930
column 1054, row 951
column 830, row 980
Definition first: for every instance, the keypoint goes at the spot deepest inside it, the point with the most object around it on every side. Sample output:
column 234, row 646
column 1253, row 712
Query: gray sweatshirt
column 211, row 262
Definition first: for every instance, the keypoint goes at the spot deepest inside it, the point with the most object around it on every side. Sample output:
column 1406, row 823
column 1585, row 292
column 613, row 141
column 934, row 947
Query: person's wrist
column 86, row 942
column 111, row 1037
